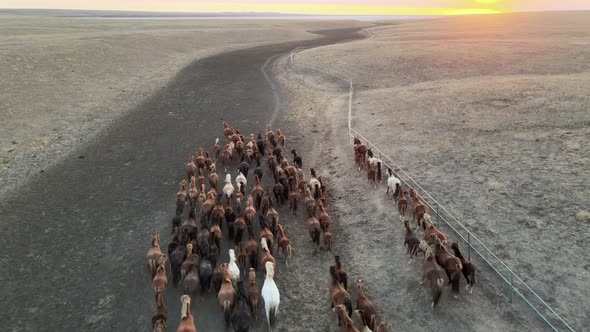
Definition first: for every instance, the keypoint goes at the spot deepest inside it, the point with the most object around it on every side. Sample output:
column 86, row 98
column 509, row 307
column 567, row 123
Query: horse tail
column 152, row 265
column 272, row 317
column 295, row 206
column 329, row 245
column 238, row 236
column 316, row 236
column 348, row 305
column 175, row 276
column 437, row 291
column 226, row 312
column 317, row 191
column 456, row 278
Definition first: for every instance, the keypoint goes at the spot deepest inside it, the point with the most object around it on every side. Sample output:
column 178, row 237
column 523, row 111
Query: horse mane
column 270, row 271
column 428, row 251
column 185, row 310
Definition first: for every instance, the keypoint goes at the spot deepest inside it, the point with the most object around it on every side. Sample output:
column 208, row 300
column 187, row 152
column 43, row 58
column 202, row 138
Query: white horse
column 241, row 182
column 315, row 185
column 234, row 270
column 270, row 294
column 228, row 189
column 392, row 183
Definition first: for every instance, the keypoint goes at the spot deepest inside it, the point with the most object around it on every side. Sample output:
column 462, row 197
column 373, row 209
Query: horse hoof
column 456, row 296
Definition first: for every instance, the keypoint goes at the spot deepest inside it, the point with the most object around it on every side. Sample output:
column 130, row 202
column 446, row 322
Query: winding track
column 74, row 239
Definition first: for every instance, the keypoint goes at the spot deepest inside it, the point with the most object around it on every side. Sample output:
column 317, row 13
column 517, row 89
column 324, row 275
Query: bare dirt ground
column 491, row 115
column 64, row 80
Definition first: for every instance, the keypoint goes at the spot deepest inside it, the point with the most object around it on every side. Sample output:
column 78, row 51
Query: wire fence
column 516, row 287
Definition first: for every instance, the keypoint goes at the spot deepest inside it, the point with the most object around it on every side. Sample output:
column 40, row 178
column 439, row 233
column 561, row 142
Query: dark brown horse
column 410, row 241
column 342, row 274
column 314, row 228
column 451, row 264
column 338, row 294
column 468, row 267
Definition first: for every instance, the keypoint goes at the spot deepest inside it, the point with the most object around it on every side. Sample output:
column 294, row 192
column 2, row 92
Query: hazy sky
column 343, row 7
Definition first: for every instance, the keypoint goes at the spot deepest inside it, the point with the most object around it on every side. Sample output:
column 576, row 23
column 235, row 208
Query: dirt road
column 75, row 239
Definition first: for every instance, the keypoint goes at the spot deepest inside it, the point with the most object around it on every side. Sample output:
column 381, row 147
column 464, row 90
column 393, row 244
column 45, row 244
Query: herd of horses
column 246, row 213
column 440, row 266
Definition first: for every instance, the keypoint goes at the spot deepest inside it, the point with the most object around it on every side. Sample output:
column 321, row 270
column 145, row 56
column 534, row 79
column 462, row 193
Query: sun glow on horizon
column 309, row 7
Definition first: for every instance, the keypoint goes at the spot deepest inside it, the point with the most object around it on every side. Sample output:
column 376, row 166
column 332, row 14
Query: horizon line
column 181, row 13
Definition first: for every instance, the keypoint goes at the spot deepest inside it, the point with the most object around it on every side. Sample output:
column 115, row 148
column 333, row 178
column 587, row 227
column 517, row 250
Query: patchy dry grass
column 491, row 115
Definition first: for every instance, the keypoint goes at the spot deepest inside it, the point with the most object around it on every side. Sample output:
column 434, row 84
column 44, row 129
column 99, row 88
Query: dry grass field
column 66, row 79
column 492, row 115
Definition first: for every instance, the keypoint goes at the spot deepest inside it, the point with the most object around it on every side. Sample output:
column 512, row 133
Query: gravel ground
column 65, row 80
column 77, row 234
column 494, row 122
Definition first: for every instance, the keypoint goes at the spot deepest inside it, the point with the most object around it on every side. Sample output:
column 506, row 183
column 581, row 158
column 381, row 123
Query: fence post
column 469, row 246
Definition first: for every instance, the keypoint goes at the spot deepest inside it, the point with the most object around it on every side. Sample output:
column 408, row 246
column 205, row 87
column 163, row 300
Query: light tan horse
column 187, row 323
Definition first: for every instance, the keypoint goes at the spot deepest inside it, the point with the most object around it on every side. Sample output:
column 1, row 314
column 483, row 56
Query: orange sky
column 324, row 7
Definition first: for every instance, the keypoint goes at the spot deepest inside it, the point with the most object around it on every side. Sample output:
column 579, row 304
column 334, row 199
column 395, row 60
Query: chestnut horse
column 159, row 282
column 433, row 272
column 360, row 151
column 181, row 198
column 226, row 297
column 419, row 210
column 154, row 255
column 431, row 231
column 451, row 264
column 363, row 303
column 216, row 148
column 344, row 321
column 411, row 241
column 190, row 167
column 257, row 192
column 402, row 203
column 161, row 313
column 338, row 294
column 200, row 160
column 266, row 254
column 187, row 323
column 284, row 243
column 253, row 292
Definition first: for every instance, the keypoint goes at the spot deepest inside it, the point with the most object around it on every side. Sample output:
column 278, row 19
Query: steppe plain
column 491, row 115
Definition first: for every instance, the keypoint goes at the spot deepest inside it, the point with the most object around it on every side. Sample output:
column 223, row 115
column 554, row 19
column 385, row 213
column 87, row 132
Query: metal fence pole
column 469, row 246
column 511, row 288
column 437, row 217
column 457, row 226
